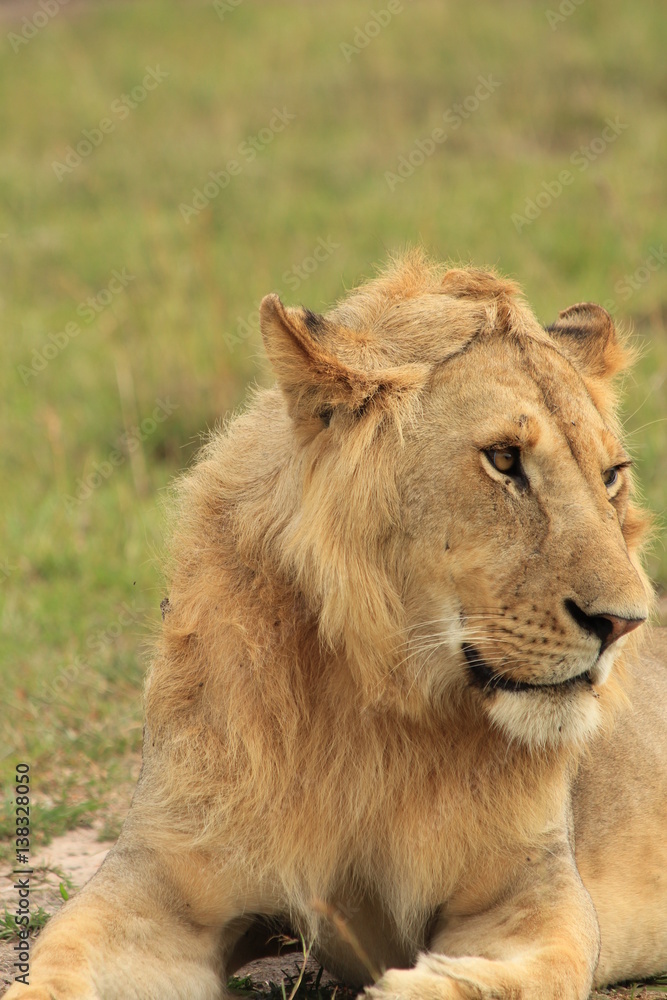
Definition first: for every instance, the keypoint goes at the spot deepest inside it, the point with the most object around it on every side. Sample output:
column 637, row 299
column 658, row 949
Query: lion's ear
column 321, row 365
column 587, row 335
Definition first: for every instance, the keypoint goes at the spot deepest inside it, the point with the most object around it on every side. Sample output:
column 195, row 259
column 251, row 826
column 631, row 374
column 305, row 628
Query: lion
column 400, row 704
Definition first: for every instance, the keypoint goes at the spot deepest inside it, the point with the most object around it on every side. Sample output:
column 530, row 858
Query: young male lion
column 397, row 705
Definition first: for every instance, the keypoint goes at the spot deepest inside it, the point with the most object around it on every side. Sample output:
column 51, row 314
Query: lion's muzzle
column 489, row 680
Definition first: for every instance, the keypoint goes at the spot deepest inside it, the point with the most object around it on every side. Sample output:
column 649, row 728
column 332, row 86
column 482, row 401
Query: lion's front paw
column 19, row 992
column 52, row 987
column 417, row 984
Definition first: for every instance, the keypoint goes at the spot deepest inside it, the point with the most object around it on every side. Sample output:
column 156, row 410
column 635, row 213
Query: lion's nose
column 608, row 628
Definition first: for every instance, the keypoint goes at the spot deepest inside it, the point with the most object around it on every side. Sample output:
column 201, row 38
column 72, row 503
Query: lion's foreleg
column 131, row 934
column 540, row 943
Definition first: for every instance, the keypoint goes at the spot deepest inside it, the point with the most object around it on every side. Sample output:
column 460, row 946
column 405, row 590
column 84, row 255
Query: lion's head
column 455, row 496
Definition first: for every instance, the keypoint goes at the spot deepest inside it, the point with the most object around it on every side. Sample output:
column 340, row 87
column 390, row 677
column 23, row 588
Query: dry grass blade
column 346, row 933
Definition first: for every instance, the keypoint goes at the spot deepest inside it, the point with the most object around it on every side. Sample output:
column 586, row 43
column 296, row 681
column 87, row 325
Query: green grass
column 48, row 818
column 9, row 928
column 80, row 583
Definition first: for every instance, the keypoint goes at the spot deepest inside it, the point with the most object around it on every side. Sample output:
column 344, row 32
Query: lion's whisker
column 452, row 619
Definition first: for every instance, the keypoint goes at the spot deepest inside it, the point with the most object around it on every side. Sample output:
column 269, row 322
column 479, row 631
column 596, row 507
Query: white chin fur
column 600, row 672
column 546, row 719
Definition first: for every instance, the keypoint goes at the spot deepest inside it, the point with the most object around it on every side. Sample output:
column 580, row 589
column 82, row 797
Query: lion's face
column 464, row 530
column 521, row 570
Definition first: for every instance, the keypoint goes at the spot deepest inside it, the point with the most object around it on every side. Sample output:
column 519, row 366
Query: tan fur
column 320, row 753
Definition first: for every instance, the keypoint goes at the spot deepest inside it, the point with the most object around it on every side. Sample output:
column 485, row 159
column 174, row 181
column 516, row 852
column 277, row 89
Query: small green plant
column 9, row 928
column 241, row 986
column 66, row 883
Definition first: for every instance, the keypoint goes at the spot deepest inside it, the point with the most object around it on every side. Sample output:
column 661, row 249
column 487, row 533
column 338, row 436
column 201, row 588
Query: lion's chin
column 539, row 715
column 546, row 719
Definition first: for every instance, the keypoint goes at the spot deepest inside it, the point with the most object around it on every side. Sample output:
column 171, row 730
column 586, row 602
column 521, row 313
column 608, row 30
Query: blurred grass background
column 80, row 584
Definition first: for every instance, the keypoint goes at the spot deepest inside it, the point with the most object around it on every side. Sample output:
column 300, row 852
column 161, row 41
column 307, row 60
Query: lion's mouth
column 488, row 680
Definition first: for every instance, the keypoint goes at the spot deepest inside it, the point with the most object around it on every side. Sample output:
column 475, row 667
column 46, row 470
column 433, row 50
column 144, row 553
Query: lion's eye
column 611, row 477
column 504, row 460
